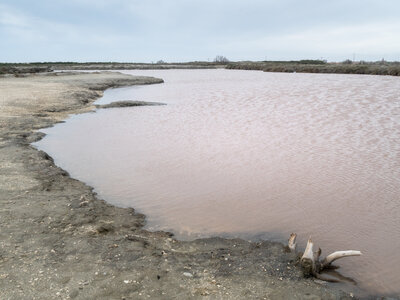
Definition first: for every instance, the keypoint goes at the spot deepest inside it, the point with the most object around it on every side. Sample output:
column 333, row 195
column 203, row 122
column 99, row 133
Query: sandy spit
column 59, row 241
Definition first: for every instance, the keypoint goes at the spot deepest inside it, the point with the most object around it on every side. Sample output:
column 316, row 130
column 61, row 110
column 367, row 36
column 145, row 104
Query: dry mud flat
column 58, row 241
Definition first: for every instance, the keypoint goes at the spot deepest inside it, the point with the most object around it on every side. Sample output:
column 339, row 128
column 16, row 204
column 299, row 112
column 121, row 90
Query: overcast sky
column 187, row 30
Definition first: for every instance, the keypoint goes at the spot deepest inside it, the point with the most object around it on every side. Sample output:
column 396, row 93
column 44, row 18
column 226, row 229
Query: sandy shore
column 58, row 241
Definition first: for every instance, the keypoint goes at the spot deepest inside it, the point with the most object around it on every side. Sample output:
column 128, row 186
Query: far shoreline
column 385, row 68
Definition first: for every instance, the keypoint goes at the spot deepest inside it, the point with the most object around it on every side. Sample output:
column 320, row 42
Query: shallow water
column 248, row 153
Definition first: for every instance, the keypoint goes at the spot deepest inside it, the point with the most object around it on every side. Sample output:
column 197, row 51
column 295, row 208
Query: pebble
column 319, row 281
column 187, row 274
column 74, row 294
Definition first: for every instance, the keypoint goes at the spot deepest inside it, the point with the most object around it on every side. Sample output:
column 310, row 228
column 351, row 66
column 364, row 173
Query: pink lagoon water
column 254, row 155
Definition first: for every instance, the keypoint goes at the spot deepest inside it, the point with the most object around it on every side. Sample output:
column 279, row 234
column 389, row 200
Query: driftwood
column 292, row 242
column 310, row 260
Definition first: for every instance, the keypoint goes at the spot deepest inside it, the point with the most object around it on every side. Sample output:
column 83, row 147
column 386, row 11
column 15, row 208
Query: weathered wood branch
column 310, row 260
column 317, row 254
column 292, row 242
column 307, row 261
column 338, row 254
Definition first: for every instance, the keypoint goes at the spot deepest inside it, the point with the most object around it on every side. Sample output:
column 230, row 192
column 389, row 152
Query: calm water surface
column 247, row 154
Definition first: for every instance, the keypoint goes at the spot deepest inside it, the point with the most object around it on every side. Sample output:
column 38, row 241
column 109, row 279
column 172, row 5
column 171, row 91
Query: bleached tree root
column 292, row 242
column 338, row 254
column 310, row 260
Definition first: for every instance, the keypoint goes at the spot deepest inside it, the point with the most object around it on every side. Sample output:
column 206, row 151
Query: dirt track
column 58, row 241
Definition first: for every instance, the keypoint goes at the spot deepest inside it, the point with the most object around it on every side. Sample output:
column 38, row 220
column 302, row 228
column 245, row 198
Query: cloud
column 27, row 28
column 186, row 30
column 379, row 37
column 10, row 18
column 368, row 40
column 18, row 25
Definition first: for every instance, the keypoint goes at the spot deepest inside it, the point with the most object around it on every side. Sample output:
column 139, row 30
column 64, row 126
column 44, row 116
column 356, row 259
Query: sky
column 198, row 30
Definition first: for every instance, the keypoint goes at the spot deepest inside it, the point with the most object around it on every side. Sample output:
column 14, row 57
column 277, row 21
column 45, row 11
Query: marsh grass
column 300, row 66
column 316, row 66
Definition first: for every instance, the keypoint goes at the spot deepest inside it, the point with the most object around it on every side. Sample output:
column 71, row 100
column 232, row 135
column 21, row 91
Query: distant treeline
column 320, row 66
column 110, row 63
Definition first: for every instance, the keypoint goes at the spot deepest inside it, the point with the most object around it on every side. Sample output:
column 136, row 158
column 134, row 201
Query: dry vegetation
column 319, row 66
column 18, row 69
column 301, row 66
column 46, row 66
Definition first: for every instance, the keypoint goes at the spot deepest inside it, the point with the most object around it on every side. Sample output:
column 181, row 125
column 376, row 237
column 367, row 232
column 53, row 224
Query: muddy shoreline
column 59, row 241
